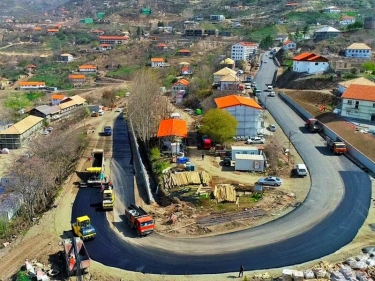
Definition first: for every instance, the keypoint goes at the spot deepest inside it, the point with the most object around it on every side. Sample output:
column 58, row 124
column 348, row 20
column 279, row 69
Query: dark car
column 227, row 161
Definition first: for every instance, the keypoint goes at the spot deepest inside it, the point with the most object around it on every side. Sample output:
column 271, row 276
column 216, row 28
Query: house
column 57, row 98
column 113, row 40
column 310, row 63
column 227, row 63
column 247, row 112
column 45, row 111
column 79, row 101
column 52, row 31
column 251, row 150
column 289, row 45
column 243, row 51
column 77, row 78
column 71, row 103
column 326, row 33
column 358, row 50
column 161, row 46
column 345, row 20
column 66, row 58
column 104, row 47
column 88, row 68
column 186, row 71
column 30, row 68
column 182, row 84
column 97, row 32
column 229, row 82
column 341, row 65
column 31, row 85
column 358, row 101
column 291, row 5
column 343, row 86
column 157, row 62
column 332, row 10
column 249, row 162
column 218, row 75
column 16, row 135
column 184, row 52
column 194, row 32
column 217, row 18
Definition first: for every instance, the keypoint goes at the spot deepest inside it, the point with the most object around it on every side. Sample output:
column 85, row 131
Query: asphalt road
column 330, row 217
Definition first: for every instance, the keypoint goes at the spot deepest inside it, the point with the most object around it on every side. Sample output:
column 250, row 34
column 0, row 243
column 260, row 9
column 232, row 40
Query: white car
column 255, row 140
column 118, row 109
column 247, row 87
column 274, row 181
column 46, row 132
column 272, row 94
column 272, row 128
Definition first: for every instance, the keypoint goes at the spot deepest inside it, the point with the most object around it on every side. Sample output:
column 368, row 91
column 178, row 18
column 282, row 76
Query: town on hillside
column 234, row 138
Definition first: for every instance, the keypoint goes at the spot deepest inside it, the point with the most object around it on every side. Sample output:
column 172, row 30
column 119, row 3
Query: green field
column 123, row 72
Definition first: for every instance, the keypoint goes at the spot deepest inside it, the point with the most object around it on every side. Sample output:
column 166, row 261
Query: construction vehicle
column 83, row 228
column 313, row 125
column 108, row 197
column 140, row 220
column 77, row 259
column 338, row 147
column 107, row 130
column 206, row 142
column 96, row 171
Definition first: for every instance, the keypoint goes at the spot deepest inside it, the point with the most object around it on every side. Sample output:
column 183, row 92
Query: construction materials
column 83, row 228
column 225, row 193
column 313, row 125
column 338, row 147
column 108, row 197
column 140, row 220
column 77, row 259
column 173, row 180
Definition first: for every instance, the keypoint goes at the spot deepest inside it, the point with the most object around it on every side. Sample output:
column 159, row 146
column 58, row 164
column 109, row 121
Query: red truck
column 206, row 142
column 313, row 125
column 139, row 219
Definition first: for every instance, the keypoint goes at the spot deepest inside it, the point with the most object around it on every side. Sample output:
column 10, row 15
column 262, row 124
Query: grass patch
column 34, row 95
column 245, row 202
column 311, row 17
column 261, row 33
column 124, row 72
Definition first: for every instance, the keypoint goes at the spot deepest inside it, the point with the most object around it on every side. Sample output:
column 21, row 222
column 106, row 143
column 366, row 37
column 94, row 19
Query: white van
column 270, row 88
column 301, row 170
column 101, row 112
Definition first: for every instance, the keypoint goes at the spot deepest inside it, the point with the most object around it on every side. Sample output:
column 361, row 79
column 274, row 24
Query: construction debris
column 225, row 192
column 172, row 180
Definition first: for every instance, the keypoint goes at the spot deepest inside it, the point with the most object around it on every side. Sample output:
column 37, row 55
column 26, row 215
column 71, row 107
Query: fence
column 354, row 154
column 141, row 171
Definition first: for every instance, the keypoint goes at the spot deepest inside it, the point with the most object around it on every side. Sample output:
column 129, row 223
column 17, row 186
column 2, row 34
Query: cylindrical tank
column 369, row 23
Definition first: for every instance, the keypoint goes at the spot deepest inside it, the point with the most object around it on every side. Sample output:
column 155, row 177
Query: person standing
column 241, row 271
column 202, row 156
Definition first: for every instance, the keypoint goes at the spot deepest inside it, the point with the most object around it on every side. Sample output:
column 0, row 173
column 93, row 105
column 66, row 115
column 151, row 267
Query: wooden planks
column 172, row 180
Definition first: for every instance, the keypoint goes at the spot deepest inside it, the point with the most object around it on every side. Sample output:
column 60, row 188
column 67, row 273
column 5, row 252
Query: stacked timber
column 225, row 192
column 172, row 180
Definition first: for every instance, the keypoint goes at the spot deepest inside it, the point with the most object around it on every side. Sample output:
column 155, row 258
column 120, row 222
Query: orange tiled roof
column 184, row 51
column 32, row 83
column 77, row 76
column 291, row 4
column 347, row 18
column 234, row 100
column 184, row 69
column 30, row 66
column 182, row 82
column 52, row 30
column 157, row 60
column 113, row 37
column 37, row 28
column 303, row 56
column 97, row 31
column 360, row 92
column 288, row 42
column 248, row 44
column 58, row 97
column 162, row 45
column 87, row 66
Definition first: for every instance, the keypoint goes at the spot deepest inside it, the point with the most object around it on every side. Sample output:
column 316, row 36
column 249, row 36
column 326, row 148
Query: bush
column 204, row 93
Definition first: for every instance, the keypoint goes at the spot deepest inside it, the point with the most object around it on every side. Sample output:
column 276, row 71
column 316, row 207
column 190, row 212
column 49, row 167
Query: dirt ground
column 311, row 100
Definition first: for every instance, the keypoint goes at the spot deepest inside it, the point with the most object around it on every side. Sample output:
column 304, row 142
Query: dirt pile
column 299, row 81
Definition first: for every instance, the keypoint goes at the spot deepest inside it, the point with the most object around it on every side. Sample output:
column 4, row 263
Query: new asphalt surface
column 328, row 219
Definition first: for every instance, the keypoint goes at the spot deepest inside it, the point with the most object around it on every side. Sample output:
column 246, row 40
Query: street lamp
column 291, row 133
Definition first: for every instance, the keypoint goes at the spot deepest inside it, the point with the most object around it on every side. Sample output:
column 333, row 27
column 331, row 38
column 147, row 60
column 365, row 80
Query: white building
column 289, row 45
column 229, row 82
column 247, row 112
column 157, row 62
column 310, row 63
column 243, row 51
column 248, row 162
column 251, row 150
column 217, row 18
column 31, row 85
column 358, row 50
column 342, row 86
column 332, row 10
column 358, row 102
column 88, row 68
column 345, row 20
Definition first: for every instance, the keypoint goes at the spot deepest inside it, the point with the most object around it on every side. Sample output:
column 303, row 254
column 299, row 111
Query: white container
column 287, row 275
column 298, row 275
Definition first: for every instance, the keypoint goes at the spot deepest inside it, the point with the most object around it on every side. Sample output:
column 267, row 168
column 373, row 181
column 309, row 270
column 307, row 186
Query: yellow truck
column 83, row 228
column 108, row 197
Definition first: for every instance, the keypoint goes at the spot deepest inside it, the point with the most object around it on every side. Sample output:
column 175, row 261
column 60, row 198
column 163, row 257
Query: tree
column 17, row 102
column 356, row 25
column 306, row 29
column 160, row 24
column 266, row 42
column 369, row 66
column 219, row 125
column 108, row 98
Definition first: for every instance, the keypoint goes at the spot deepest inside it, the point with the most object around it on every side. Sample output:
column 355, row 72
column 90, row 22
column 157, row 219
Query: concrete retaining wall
column 354, row 154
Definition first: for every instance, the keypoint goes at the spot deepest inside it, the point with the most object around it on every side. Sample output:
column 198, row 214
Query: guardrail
column 142, row 172
column 353, row 154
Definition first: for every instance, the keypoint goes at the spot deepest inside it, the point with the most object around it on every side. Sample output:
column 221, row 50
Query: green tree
column 266, row 42
column 16, row 102
column 160, row 24
column 369, row 66
column 220, row 125
column 306, row 29
column 356, row 25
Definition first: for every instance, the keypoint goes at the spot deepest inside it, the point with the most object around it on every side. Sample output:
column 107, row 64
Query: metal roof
column 249, row 157
column 47, row 109
column 22, row 126
column 245, row 148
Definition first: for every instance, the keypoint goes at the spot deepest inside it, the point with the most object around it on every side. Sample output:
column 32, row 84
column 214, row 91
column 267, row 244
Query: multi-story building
column 157, row 62
column 31, row 85
column 243, row 51
column 345, row 20
column 77, row 78
column 358, row 102
column 217, row 18
column 113, row 40
column 358, row 50
column 310, row 63
column 88, row 68
column 194, row 32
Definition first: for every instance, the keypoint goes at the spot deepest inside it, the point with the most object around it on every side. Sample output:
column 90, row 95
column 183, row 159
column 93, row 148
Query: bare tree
column 273, row 150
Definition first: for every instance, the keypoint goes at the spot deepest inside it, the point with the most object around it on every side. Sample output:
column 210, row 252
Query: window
column 350, row 102
column 316, row 63
column 373, row 105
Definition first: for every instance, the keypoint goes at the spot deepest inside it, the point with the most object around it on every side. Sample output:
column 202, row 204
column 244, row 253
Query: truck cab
column 313, row 125
column 140, row 220
column 83, row 228
column 107, row 130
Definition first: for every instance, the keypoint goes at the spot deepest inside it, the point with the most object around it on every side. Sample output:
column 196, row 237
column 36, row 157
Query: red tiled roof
column 287, row 42
column 291, row 4
column 360, row 92
column 52, row 30
column 162, row 45
column 30, row 66
column 113, row 37
column 157, row 59
column 303, row 56
column 234, row 100
column 104, row 45
column 347, row 18
column 32, row 83
column 77, row 76
column 184, row 51
column 182, row 82
column 184, row 69
column 248, row 44
column 172, row 127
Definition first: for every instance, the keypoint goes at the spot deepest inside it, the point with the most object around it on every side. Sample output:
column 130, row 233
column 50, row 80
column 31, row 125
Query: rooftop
column 31, row 83
column 172, row 127
column 22, row 126
column 360, row 92
column 248, row 44
column 85, row 66
column 249, row 157
column 234, row 100
column 47, row 109
column 358, row 81
column 157, row 59
column 225, row 71
column 327, row 29
column 183, row 82
column 77, row 76
column 358, row 46
column 113, row 37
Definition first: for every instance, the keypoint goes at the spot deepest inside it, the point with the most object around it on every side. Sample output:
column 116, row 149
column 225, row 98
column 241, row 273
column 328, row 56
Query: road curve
column 330, row 217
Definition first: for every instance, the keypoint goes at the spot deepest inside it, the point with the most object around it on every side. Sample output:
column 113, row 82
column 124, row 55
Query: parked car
column 253, row 84
column 118, row 109
column 247, row 87
column 46, row 132
column 227, row 161
column 255, row 140
column 272, row 128
column 272, row 94
column 270, row 88
column 274, row 181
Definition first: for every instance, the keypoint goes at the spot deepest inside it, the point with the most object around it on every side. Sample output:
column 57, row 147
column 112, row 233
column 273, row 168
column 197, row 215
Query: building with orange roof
column 186, row 71
column 52, row 30
column 30, row 67
column 289, row 45
column 184, row 52
column 113, row 40
column 310, row 63
column 88, row 68
column 97, row 32
column 243, row 51
column 358, row 101
column 31, row 85
column 77, row 78
column 248, row 113
column 57, row 98
column 105, row 47
column 37, row 28
column 180, row 85
column 161, row 46
column 345, row 20
column 157, row 62
column 172, row 128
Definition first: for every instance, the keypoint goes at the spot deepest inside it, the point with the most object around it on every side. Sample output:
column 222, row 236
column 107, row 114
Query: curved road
column 330, row 217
